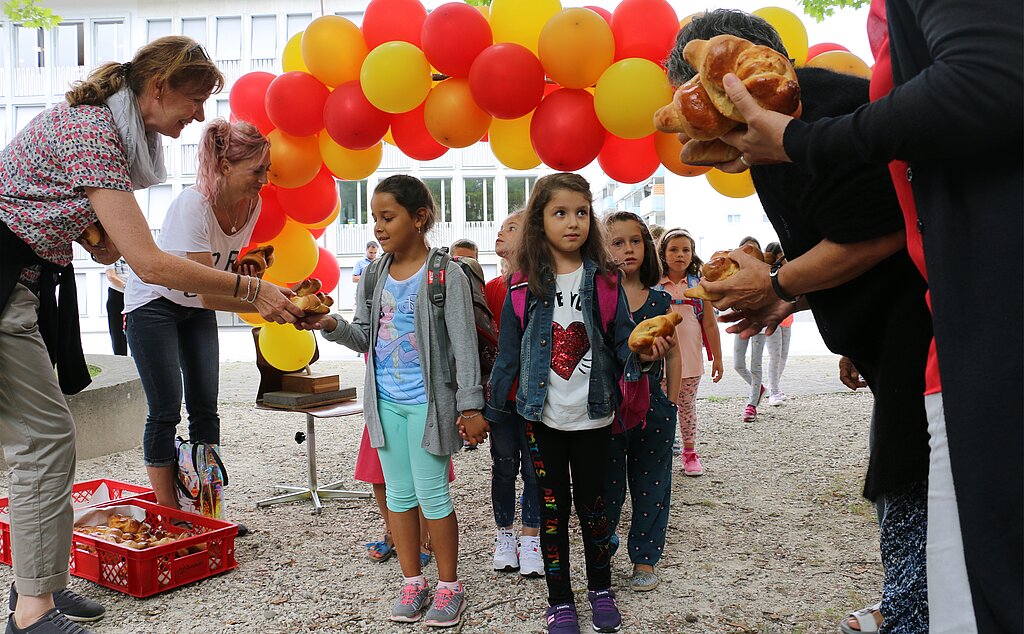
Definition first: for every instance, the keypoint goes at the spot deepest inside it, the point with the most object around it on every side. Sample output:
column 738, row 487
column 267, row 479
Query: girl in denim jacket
column 409, row 405
column 568, row 361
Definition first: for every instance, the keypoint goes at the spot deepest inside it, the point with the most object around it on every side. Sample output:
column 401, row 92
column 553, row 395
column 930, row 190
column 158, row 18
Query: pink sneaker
column 691, row 464
column 749, row 414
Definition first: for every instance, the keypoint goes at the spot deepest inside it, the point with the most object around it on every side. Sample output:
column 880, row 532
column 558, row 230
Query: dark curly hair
column 719, row 22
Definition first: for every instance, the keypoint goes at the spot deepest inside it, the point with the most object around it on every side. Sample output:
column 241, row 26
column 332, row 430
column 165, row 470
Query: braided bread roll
column 766, row 73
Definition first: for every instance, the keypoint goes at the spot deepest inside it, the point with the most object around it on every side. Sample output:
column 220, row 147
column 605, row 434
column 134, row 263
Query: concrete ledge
column 110, row 414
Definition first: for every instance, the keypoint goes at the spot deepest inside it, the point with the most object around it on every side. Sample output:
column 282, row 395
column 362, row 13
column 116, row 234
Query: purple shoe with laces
column 562, row 619
column 606, row 612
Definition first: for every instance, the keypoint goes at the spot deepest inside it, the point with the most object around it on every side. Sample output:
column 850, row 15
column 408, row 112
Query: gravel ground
column 773, row 538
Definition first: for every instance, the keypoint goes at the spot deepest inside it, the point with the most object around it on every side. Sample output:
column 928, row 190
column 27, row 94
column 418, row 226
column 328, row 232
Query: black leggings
column 585, row 453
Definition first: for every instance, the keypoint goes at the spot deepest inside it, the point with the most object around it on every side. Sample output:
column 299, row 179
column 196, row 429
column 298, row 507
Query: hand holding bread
column 309, row 298
column 641, row 340
column 260, row 259
column 720, row 267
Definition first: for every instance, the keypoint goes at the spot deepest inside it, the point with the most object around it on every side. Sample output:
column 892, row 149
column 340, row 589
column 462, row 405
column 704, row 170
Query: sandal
column 865, row 619
column 380, row 551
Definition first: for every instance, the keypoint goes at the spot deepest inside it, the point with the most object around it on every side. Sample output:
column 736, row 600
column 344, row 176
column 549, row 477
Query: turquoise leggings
column 413, row 476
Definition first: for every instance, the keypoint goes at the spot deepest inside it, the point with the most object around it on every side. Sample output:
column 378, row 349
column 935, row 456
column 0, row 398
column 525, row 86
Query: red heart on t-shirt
column 568, row 346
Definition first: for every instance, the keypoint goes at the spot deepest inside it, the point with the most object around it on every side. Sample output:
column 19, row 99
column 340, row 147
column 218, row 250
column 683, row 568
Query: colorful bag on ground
column 201, row 478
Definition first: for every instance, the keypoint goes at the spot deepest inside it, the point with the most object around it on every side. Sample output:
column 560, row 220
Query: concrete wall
column 111, row 413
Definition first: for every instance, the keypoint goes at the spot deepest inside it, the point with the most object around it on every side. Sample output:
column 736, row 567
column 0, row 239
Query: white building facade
column 473, row 191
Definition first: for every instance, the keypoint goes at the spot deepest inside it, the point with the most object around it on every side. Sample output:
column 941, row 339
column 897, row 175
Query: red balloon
column 351, row 120
column 318, row 233
column 601, row 11
column 295, row 103
column 824, row 47
column 628, row 160
column 565, row 130
column 313, row 202
column 453, row 35
column 248, row 99
column 393, row 20
column 272, row 217
column 507, row 81
column 327, row 271
column 409, row 130
column 644, row 28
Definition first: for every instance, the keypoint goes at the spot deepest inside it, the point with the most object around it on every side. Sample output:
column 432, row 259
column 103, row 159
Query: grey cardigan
column 444, row 402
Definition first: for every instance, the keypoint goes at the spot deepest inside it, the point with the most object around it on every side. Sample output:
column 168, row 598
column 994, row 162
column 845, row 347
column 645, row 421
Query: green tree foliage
column 31, row 14
column 821, row 9
column 479, row 3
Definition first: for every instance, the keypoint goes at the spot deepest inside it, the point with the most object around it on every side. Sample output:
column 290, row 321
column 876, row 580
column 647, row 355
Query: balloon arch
column 540, row 83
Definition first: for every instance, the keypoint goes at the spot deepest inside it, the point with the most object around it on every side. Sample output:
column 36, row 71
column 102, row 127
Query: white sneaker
column 531, row 563
column 776, row 399
column 505, row 558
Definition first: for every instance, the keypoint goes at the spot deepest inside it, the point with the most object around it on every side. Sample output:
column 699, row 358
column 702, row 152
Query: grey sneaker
column 409, row 606
column 74, row 606
column 53, row 622
column 644, row 581
column 446, row 611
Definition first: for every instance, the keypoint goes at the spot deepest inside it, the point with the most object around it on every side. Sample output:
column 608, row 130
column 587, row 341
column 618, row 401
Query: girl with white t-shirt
column 173, row 335
column 567, row 358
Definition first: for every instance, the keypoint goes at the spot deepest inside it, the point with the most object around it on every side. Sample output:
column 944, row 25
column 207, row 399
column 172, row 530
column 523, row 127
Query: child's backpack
column 698, row 309
column 486, row 331
column 635, row 396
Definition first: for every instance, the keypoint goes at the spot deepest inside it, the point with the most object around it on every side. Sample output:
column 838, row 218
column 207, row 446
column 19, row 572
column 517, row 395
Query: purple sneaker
column 562, row 619
column 606, row 613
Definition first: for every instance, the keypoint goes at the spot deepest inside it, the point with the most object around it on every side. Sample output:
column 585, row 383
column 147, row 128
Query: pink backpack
column 634, row 396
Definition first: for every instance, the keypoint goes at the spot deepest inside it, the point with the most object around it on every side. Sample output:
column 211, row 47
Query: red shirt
column 881, row 85
column 495, row 292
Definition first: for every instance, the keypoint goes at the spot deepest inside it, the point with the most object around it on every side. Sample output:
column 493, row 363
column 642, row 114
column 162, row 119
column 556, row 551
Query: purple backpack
column 634, row 396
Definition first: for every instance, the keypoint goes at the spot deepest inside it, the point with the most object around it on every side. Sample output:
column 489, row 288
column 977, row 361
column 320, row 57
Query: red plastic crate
column 143, row 573
column 81, row 497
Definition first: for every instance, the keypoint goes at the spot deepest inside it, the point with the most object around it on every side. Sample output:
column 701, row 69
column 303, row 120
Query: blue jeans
column 175, row 345
column 510, row 455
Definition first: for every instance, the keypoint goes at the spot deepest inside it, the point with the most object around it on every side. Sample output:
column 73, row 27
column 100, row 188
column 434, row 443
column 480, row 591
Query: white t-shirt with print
column 565, row 407
column 191, row 227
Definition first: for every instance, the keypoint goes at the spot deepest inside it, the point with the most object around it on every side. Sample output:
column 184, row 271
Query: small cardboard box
column 310, row 383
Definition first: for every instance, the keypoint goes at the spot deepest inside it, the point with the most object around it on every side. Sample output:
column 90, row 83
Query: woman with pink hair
column 173, row 335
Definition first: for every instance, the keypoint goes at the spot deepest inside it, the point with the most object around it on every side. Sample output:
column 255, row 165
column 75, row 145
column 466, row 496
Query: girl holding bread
column 677, row 253
column 642, row 456
column 410, row 405
column 564, row 335
column 173, row 334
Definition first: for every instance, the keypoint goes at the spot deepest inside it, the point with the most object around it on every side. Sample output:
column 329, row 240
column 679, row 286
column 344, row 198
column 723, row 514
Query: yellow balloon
column 521, row 21
column 841, row 62
column 396, row 77
column 627, row 96
column 329, row 220
column 510, row 142
column 575, row 47
column 253, row 319
column 731, row 185
column 390, row 139
column 484, row 11
column 791, row 29
column 333, row 49
column 349, row 165
column 285, row 347
column 294, row 160
column 291, row 59
column 295, row 253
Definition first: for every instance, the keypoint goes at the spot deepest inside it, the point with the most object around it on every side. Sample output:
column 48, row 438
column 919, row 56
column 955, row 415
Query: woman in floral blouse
column 74, row 165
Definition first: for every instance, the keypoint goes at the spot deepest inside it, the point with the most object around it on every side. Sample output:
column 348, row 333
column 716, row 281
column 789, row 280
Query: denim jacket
column 527, row 355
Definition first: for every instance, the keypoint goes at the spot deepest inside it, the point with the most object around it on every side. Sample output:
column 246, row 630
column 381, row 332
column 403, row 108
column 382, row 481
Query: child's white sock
column 420, row 581
column 454, row 586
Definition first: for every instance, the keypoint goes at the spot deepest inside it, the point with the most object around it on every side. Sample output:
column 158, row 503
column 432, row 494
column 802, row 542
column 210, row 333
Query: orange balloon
column 253, row 319
column 326, row 222
column 295, row 253
column 451, row 115
column 350, row 165
column 841, row 62
column 668, row 147
column 294, row 160
column 575, row 47
column 731, row 185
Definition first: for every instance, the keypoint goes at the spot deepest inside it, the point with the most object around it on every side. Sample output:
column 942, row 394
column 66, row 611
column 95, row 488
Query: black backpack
column 486, row 330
